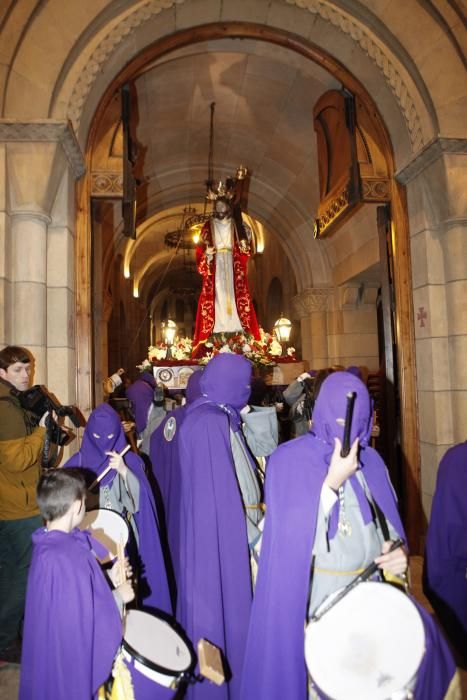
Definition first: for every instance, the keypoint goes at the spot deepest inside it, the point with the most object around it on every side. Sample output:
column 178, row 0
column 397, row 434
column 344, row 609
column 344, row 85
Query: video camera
column 308, row 400
column 124, row 408
column 38, row 401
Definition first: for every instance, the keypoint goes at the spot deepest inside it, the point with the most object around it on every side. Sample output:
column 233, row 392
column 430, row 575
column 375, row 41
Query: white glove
column 115, row 379
column 303, row 376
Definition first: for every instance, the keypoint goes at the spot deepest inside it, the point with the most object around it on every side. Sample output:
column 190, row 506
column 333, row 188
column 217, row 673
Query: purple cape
column 211, row 556
column 274, row 666
column 446, row 546
column 105, row 423
column 164, row 458
column 141, row 394
column 72, row 627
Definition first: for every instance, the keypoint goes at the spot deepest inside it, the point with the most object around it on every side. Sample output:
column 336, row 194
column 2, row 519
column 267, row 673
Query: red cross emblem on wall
column 422, row 316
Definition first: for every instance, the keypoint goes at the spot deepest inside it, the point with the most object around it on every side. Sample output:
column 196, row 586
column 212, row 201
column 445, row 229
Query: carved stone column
column 311, row 307
column 37, row 157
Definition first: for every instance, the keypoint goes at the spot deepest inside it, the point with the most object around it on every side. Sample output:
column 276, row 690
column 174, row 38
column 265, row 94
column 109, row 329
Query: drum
column 369, row 646
column 108, row 527
column 159, row 659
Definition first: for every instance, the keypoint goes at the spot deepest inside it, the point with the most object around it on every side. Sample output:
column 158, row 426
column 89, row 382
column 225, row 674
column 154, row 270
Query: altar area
column 172, row 363
column 175, row 374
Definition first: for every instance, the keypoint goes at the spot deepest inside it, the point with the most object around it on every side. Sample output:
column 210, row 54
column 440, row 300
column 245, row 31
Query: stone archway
column 400, row 238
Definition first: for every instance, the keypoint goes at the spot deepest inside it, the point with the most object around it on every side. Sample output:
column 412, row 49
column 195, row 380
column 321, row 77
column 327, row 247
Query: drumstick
column 351, row 396
column 121, row 572
column 121, row 577
column 108, row 468
column 369, row 571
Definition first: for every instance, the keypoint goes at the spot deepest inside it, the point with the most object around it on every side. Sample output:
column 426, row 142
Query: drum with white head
column 369, row 646
column 159, row 658
column 109, row 528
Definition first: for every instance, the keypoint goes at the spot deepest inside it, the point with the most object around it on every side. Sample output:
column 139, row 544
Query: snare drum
column 109, row 528
column 369, row 646
column 159, row 659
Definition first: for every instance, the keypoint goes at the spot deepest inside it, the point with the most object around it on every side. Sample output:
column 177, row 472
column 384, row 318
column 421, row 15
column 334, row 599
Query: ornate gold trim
column 339, row 206
column 106, row 184
column 376, row 189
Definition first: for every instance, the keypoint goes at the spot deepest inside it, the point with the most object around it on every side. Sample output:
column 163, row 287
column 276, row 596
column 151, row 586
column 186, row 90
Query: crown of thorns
column 226, row 189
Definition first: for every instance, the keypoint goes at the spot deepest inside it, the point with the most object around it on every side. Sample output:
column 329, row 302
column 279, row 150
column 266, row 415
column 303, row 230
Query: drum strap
column 380, row 517
column 382, row 521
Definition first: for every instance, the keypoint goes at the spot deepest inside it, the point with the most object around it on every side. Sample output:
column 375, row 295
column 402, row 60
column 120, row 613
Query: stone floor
column 9, row 673
column 9, row 681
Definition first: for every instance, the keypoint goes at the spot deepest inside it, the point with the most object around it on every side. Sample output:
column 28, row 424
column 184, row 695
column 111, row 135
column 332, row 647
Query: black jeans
column 15, row 557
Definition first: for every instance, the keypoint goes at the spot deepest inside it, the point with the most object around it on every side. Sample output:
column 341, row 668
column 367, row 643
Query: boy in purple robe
column 326, row 517
column 445, row 575
column 210, row 547
column 125, row 489
column 72, row 626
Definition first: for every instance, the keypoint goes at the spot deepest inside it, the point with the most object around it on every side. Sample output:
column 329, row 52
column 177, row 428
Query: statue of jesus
column 225, row 304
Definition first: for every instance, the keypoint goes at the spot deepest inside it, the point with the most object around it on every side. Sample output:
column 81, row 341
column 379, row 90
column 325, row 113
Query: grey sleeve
column 261, row 430
column 124, row 493
column 293, row 392
column 321, row 544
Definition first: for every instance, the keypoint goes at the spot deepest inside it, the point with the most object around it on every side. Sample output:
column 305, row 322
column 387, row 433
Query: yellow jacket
column 20, row 448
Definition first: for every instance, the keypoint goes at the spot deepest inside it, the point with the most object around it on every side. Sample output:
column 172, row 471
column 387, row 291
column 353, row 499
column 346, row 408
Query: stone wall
column 438, row 221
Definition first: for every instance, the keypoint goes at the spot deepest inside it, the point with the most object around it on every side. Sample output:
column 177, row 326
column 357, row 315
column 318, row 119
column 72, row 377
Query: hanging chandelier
column 195, row 223
column 180, row 238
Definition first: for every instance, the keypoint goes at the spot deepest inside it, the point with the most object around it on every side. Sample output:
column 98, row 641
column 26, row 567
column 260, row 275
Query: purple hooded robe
column 211, row 556
column 446, row 546
column 165, row 468
column 72, row 626
column 141, row 394
column 274, row 666
column 105, row 423
column 162, row 450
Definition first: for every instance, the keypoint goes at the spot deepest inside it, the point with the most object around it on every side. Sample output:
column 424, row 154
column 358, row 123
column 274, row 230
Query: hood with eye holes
column 105, row 423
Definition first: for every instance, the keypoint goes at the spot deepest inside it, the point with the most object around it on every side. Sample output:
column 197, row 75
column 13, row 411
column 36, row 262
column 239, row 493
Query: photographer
column 21, row 442
column 299, row 396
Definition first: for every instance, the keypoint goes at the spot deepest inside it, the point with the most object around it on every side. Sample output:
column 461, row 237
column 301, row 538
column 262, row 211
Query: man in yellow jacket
column 21, row 442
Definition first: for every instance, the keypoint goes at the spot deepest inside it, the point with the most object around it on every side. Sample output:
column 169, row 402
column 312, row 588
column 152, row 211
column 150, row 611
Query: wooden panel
column 333, row 120
column 415, row 522
column 83, row 296
column 389, row 412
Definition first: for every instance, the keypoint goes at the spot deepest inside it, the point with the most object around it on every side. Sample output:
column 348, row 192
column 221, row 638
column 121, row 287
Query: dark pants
column 15, row 557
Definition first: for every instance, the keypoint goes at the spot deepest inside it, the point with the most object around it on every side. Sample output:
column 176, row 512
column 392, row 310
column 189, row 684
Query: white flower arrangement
column 157, row 353
column 145, row 366
column 179, row 354
column 275, row 348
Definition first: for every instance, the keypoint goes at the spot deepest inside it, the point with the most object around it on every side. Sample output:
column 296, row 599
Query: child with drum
column 72, row 626
column 328, row 518
column 124, row 488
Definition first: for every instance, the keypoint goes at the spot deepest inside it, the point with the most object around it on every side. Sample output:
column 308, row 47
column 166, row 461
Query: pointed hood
column 227, row 380
column 193, row 389
column 330, row 409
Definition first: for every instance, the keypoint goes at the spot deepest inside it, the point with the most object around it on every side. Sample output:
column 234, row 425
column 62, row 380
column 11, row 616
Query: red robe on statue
column 205, row 317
